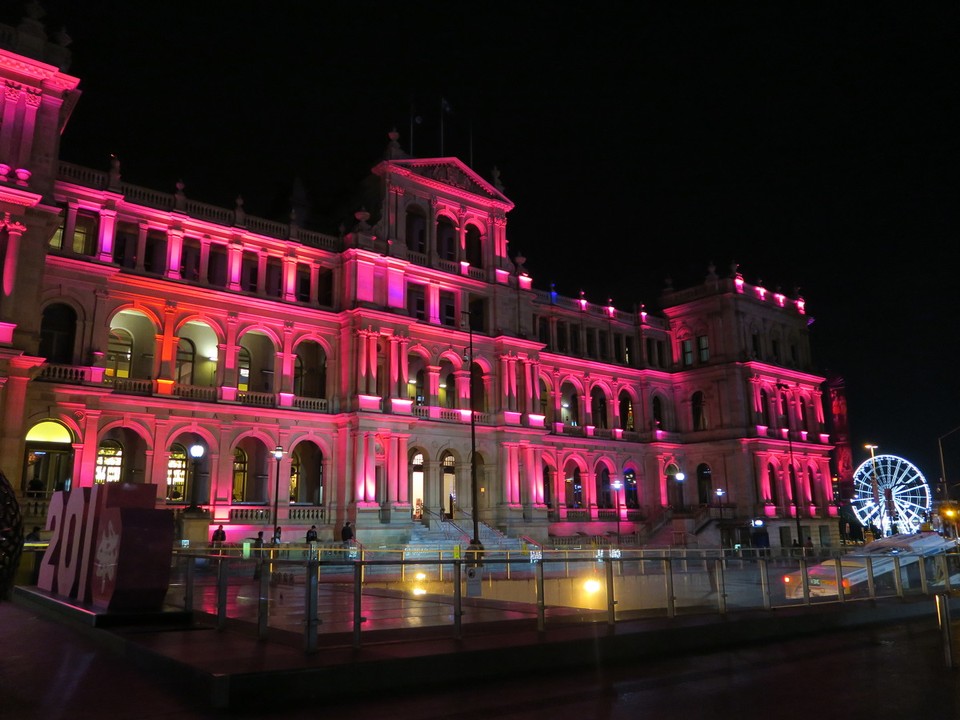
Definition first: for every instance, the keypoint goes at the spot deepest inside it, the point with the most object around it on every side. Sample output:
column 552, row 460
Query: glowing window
column 109, row 462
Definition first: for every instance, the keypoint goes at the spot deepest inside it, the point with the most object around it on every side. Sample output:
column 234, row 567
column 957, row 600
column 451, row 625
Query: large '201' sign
column 84, row 560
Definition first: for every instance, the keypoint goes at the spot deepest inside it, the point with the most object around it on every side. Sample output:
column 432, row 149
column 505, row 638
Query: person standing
column 258, row 555
column 312, row 534
column 276, row 535
column 219, row 537
column 346, row 535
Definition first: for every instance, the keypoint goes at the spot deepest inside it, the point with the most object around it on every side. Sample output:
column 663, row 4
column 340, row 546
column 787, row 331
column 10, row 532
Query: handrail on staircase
column 531, row 541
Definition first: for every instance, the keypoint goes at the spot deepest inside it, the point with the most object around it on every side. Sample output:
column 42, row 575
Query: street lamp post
column 873, row 480
column 196, row 452
column 474, row 497
column 720, row 493
column 278, row 454
column 943, row 467
column 680, row 477
column 617, row 486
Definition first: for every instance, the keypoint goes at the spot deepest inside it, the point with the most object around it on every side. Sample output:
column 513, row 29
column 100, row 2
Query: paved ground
column 771, row 666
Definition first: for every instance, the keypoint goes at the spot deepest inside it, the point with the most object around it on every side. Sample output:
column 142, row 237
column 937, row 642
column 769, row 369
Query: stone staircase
column 429, row 539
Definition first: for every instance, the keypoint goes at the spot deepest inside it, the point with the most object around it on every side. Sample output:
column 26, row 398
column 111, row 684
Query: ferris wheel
column 891, row 493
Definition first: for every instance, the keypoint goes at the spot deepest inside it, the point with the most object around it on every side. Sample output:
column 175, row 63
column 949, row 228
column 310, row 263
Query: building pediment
column 449, row 174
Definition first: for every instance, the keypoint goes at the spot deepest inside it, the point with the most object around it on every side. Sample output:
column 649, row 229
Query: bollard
column 611, row 597
column 943, row 617
column 457, row 601
column 541, row 600
column 313, row 621
column 721, row 587
column 263, row 605
column 222, row 581
column 188, row 584
column 668, row 580
column 358, row 618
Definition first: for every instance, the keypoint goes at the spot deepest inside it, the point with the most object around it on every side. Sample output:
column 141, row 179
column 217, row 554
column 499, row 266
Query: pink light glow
column 401, row 406
column 611, row 311
column 738, row 282
column 801, row 306
column 761, row 292
column 583, row 301
column 503, row 277
column 779, row 298
column 526, row 282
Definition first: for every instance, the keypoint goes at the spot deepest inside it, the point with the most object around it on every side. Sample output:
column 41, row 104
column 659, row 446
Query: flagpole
column 411, row 126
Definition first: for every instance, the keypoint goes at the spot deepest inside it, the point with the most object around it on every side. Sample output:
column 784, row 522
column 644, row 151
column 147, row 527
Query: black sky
column 815, row 144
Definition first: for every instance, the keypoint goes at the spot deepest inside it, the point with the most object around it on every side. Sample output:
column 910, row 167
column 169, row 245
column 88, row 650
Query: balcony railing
column 195, row 392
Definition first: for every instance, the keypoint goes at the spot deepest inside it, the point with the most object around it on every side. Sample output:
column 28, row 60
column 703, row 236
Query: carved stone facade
column 322, row 378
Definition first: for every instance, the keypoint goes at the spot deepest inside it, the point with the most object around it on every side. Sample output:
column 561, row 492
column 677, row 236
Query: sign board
column 474, row 582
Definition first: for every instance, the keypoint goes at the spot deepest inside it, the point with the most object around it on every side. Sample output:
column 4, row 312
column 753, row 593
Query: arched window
column 698, row 411
column 295, row 478
column 416, row 482
column 58, row 327
column 416, row 229
column 243, row 368
column 48, row 459
column 448, row 475
column 419, row 391
column 764, row 408
column 626, row 412
column 604, row 491
column 186, row 356
column 477, row 399
column 574, row 488
column 119, row 352
column 109, row 462
column 448, row 392
column 474, row 250
column 547, row 486
column 241, row 474
column 177, row 474
column 704, row 484
column 657, row 413
column 631, row 498
column 446, row 239
column 298, row 376
column 774, row 484
column 784, row 411
column 598, row 408
column 569, row 407
column 546, row 409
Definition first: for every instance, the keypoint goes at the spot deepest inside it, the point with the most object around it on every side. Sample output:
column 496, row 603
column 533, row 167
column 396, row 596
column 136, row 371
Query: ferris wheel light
column 891, row 493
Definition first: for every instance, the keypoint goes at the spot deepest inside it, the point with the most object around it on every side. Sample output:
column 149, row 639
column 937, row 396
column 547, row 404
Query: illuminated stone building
column 334, row 377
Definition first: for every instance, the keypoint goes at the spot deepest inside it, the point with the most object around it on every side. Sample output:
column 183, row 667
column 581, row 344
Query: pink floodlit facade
column 136, row 323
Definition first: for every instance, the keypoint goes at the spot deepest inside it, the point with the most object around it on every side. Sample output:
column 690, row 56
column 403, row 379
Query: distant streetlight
column 680, row 477
column 196, row 452
column 617, row 486
column 943, row 468
column 278, row 454
column 720, row 493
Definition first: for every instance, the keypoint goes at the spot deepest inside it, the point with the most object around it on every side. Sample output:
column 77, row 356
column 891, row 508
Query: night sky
column 813, row 144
